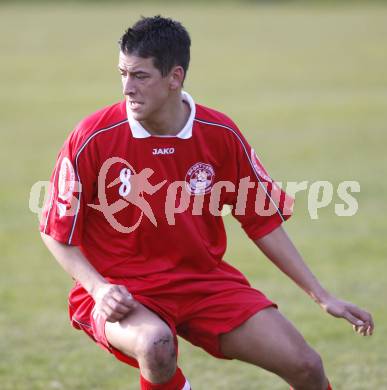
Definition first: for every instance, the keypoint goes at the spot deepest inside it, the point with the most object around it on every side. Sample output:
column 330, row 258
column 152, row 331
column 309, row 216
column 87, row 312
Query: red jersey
column 138, row 204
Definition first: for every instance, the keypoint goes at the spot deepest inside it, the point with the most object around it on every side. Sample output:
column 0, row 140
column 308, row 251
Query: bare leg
column 147, row 338
column 270, row 341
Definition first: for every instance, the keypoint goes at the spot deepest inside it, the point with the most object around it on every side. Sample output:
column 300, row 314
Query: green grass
column 307, row 85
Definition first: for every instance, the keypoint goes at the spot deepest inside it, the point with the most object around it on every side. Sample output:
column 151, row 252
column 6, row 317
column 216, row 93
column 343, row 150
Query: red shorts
column 197, row 307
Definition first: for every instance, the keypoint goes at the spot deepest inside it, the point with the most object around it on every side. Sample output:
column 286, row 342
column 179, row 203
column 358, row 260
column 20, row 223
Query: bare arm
column 112, row 301
column 278, row 247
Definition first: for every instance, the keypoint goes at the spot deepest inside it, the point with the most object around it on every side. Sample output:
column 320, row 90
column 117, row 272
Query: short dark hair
column 163, row 39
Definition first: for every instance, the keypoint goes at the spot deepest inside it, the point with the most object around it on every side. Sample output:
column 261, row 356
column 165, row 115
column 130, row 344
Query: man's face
column 145, row 90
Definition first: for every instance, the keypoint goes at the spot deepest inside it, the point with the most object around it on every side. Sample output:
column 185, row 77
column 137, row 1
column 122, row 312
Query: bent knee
column 156, row 346
column 309, row 365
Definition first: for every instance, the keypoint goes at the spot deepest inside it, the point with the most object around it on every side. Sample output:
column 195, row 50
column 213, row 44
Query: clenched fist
column 113, row 302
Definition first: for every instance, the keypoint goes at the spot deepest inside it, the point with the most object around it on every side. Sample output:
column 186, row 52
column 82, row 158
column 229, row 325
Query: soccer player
column 134, row 217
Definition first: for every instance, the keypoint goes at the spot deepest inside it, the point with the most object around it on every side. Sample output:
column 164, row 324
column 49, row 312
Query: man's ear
column 176, row 77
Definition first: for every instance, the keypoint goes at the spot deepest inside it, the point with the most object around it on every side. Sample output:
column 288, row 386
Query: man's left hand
column 360, row 319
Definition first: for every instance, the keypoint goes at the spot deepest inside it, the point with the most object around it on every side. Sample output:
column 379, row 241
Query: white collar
column 139, row 131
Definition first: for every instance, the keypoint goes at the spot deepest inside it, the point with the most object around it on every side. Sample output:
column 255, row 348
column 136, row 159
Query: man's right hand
column 113, row 302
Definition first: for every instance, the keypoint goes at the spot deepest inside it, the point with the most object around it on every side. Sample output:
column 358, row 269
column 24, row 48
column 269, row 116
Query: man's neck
column 171, row 120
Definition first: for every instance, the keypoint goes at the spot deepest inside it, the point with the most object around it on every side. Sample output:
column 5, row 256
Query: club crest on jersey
column 258, row 167
column 157, row 151
column 66, row 180
column 199, row 178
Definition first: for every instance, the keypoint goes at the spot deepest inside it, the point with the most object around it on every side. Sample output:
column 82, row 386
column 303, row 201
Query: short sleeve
column 260, row 205
column 71, row 189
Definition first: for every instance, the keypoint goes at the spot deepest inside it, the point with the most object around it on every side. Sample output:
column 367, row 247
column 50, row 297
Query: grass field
column 308, row 86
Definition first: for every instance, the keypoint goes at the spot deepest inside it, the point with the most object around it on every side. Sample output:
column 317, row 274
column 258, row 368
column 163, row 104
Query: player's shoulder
column 218, row 128
column 106, row 118
column 211, row 117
